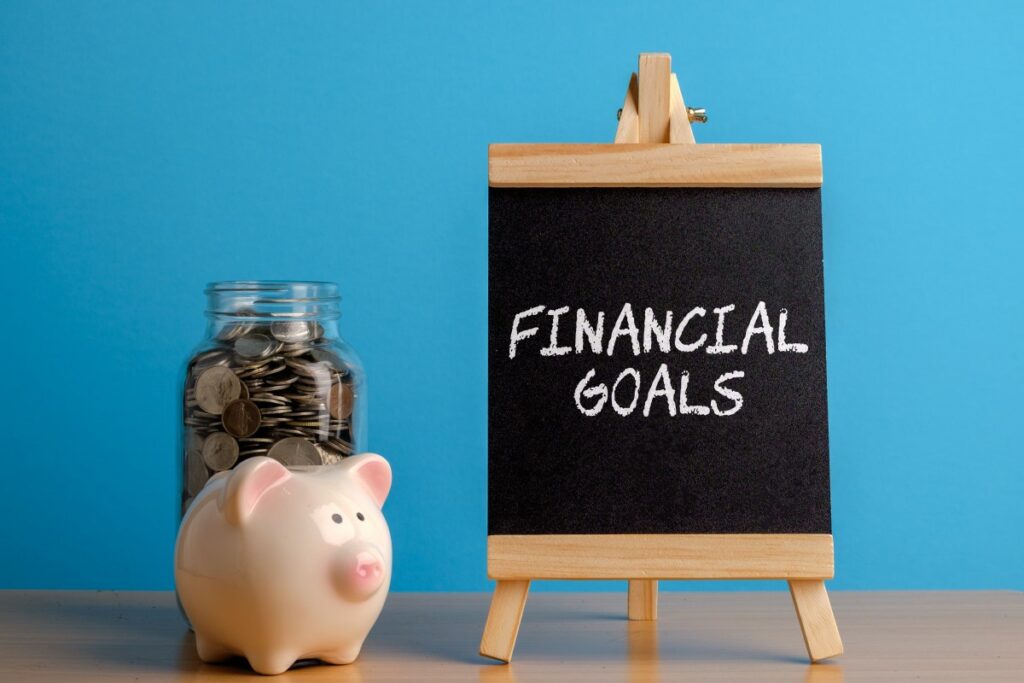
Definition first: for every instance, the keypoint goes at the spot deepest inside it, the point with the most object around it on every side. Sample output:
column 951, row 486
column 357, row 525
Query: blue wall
column 146, row 150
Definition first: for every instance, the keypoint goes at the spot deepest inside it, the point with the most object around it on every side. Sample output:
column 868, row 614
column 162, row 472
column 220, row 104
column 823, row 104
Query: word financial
column 657, row 334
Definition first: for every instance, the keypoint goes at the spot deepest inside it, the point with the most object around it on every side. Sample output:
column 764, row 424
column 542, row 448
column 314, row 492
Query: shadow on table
column 587, row 639
column 815, row 673
column 122, row 633
column 144, row 631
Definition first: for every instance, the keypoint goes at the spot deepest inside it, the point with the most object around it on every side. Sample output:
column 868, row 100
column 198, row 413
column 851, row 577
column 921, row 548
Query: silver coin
column 269, row 398
column 282, row 384
column 271, row 369
column 220, row 451
column 254, row 345
column 329, row 357
column 234, row 331
column 196, row 473
column 193, row 441
column 289, row 430
column 292, row 331
column 328, row 456
column 253, row 365
column 216, row 387
column 205, row 359
column 295, row 451
column 208, row 355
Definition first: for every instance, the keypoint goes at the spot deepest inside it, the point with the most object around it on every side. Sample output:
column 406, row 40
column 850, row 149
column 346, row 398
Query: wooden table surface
column 890, row 636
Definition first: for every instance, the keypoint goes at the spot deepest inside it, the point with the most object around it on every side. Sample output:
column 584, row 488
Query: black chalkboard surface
column 656, row 361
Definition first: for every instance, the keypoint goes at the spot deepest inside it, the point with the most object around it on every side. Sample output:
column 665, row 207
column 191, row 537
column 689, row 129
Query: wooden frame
column 654, row 165
column 662, row 556
column 652, row 115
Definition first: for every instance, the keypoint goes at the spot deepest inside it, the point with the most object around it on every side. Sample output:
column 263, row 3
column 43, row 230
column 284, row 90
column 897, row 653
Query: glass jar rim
column 272, row 298
column 301, row 289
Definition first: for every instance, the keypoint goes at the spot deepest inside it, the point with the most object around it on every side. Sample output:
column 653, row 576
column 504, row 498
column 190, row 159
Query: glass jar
column 272, row 377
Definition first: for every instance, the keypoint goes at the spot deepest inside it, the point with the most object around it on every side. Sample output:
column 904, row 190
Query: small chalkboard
column 656, row 365
column 656, row 361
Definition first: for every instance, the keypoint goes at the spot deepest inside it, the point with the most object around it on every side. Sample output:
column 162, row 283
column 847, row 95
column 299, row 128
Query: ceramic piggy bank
column 278, row 565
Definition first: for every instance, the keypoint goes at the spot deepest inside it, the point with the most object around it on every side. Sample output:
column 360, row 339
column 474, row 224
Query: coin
column 254, row 345
column 327, row 456
column 341, row 446
column 206, row 359
column 310, row 372
column 216, row 387
column 340, row 402
column 193, row 441
column 220, row 451
column 252, row 366
column 327, row 356
column 266, row 388
column 241, row 417
column 234, row 331
column 292, row 331
column 195, row 472
column 295, row 451
column 279, row 410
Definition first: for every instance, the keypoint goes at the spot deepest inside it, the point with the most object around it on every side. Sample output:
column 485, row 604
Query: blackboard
column 756, row 467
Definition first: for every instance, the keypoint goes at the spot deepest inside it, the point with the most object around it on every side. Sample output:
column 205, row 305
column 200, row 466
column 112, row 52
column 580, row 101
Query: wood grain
column 817, row 622
column 628, row 129
column 503, row 619
column 655, row 87
column 93, row 637
column 660, row 556
column 617, row 165
column 680, row 130
column 642, row 601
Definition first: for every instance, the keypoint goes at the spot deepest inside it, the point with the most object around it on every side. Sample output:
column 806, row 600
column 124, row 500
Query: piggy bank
column 278, row 564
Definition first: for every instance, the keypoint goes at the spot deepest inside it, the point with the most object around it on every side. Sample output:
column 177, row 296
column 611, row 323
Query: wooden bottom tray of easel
column 804, row 560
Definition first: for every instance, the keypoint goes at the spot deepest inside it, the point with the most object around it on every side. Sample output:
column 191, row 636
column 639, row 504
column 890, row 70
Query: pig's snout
column 359, row 571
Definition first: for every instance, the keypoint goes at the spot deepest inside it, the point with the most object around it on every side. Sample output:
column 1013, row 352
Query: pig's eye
column 360, row 516
column 336, row 517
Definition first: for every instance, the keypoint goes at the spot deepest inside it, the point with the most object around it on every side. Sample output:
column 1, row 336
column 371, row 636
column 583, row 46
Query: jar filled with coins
column 272, row 378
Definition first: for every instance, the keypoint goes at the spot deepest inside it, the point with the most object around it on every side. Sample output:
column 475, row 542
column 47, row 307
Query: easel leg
column 643, row 600
column 503, row 619
column 813, row 609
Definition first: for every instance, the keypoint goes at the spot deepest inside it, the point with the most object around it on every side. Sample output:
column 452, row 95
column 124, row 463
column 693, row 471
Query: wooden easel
column 654, row 112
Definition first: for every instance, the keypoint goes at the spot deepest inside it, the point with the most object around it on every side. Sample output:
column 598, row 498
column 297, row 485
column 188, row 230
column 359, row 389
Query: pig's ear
column 247, row 484
column 373, row 472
